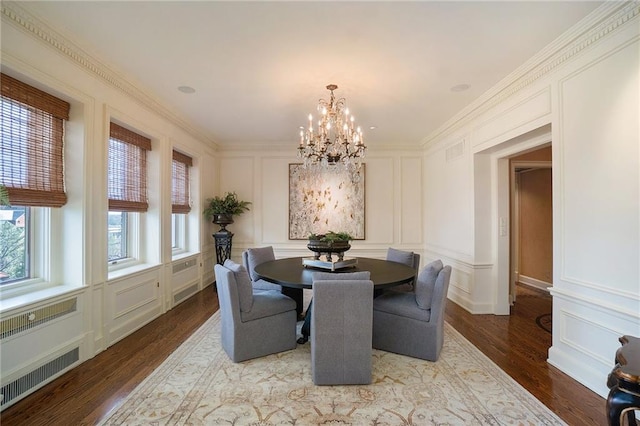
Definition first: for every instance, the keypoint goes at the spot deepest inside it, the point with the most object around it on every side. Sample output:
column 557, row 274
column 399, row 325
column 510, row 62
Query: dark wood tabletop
column 290, row 272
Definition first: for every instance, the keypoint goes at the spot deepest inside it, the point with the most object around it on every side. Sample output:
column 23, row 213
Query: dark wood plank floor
column 516, row 343
column 520, row 347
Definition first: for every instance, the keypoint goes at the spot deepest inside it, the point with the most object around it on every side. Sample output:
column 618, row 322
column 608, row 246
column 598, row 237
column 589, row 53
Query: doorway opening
column 531, row 220
column 531, row 237
column 492, row 208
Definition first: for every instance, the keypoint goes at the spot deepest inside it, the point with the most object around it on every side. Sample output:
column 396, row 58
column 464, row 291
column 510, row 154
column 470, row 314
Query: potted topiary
column 331, row 242
column 221, row 210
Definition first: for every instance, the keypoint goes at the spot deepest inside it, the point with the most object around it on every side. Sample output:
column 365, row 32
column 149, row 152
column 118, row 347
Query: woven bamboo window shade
column 127, row 170
column 31, row 153
column 180, row 182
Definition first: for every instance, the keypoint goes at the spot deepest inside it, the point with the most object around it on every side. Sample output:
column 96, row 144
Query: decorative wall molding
column 530, row 108
column 599, row 24
column 38, row 29
column 464, row 258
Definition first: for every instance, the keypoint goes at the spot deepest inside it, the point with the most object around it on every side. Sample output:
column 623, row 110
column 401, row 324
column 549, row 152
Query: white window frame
column 133, row 244
column 179, row 230
column 43, row 235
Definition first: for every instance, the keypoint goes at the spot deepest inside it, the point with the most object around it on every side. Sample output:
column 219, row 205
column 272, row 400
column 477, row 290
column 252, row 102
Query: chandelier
column 333, row 140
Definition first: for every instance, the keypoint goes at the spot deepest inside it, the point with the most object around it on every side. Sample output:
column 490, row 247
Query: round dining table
column 290, row 272
column 293, row 275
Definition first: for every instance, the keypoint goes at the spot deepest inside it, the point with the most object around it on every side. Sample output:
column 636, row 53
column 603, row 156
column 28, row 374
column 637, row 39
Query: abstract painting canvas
column 325, row 201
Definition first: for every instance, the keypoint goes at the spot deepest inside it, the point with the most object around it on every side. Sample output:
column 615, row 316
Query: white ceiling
column 259, row 68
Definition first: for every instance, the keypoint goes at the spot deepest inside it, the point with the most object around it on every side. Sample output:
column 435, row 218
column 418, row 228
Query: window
column 180, row 198
column 180, row 167
column 31, row 170
column 178, row 235
column 15, row 244
column 127, row 188
column 118, row 234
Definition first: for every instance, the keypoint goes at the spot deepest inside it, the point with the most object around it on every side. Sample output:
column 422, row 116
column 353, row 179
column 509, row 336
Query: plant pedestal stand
column 223, row 240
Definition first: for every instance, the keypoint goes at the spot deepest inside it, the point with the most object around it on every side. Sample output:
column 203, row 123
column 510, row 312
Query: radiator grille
column 182, row 265
column 183, row 294
column 27, row 320
column 31, row 380
column 455, row 151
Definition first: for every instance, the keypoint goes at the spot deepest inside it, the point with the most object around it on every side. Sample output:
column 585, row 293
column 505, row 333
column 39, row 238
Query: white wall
column 583, row 95
column 109, row 306
column 393, row 200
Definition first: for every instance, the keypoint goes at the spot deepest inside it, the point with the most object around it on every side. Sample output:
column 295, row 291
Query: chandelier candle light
column 334, row 140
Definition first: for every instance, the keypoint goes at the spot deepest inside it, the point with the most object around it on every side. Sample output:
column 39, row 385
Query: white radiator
column 21, row 323
column 32, row 380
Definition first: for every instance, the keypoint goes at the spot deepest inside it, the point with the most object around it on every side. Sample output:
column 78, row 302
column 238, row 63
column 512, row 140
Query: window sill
column 183, row 255
column 130, row 270
column 18, row 298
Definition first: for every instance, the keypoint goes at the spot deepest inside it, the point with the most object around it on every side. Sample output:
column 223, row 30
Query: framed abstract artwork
column 326, row 200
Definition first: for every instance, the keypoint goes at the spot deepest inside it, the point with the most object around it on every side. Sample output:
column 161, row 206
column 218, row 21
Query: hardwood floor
column 520, row 347
column 516, row 343
column 87, row 393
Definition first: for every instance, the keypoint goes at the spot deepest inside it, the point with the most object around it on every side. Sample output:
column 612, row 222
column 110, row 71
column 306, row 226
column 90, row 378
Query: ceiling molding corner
column 22, row 18
column 597, row 25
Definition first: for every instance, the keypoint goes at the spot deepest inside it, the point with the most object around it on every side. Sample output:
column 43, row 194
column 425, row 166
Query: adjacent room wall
column 536, row 230
column 583, row 94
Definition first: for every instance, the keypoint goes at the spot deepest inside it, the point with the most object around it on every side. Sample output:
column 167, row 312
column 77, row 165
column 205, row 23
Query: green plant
column 228, row 205
column 330, row 237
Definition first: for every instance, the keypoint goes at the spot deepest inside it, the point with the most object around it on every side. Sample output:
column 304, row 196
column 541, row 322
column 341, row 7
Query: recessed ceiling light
column 186, row 89
column 460, row 88
column 372, row 127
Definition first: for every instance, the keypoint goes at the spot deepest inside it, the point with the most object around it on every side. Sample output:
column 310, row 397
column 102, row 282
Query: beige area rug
column 199, row 385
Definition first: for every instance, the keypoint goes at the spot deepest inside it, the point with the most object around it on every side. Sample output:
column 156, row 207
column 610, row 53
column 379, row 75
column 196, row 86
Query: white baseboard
column 533, row 282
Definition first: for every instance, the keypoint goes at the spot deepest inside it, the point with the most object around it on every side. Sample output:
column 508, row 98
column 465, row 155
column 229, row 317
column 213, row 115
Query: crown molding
column 20, row 17
column 287, row 146
column 595, row 26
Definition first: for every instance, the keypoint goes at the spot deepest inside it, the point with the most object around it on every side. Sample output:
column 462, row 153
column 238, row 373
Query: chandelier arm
column 335, row 140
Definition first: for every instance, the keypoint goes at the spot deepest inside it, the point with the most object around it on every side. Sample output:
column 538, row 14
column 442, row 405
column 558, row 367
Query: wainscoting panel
column 470, row 285
column 579, row 322
column 133, row 301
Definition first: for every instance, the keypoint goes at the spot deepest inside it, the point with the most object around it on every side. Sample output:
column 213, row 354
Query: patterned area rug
column 199, row 385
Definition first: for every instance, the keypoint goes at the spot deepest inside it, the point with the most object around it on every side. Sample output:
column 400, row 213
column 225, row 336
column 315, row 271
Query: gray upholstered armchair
column 408, row 258
column 413, row 323
column 252, row 324
column 253, row 257
column 341, row 322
